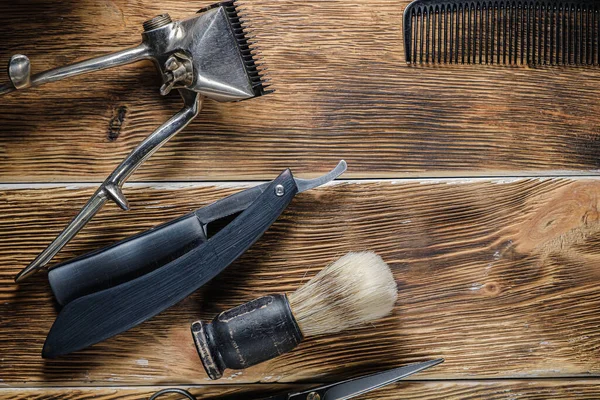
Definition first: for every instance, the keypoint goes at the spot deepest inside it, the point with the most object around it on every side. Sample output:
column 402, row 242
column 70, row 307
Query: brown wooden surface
column 499, row 276
column 341, row 81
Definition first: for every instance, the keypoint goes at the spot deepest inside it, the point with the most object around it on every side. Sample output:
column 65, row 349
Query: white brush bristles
column 357, row 288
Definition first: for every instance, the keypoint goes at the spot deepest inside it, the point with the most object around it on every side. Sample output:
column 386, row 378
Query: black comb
column 502, row 32
column 248, row 49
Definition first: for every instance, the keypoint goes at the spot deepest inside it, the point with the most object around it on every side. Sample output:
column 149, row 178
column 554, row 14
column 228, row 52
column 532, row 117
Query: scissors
column 347, row 389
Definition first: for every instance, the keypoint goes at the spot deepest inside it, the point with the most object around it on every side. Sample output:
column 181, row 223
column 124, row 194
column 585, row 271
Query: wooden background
column 477, row 184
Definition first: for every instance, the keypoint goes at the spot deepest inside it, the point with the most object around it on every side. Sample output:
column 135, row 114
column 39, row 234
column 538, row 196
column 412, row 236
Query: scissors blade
column 355, row 387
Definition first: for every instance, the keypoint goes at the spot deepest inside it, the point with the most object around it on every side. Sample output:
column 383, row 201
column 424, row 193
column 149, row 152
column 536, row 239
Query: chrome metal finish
column 279, row 190
column 206, row 55
column 19, row 71
column 178, row 70
column 95, row 64
column 217, row 70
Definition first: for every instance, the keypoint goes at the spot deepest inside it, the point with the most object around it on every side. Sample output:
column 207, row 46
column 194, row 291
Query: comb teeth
column 247, row 46
column 502, row 32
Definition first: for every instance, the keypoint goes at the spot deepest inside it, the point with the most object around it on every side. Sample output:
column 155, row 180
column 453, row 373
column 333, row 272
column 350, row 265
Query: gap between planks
column 498, row 279
column 249, row 183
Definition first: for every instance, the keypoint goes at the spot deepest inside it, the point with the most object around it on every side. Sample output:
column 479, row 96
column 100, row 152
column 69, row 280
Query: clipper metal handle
column 19, row 68
column 207, row 55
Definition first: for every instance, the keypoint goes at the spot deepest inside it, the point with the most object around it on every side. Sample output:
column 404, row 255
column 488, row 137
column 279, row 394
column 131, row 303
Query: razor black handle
column 97, row 316
column 146, row 251
column 125, row 260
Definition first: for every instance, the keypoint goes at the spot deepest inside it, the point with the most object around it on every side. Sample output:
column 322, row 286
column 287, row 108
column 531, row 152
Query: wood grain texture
column 489, row 390
column 498, row 277
column 343, row 91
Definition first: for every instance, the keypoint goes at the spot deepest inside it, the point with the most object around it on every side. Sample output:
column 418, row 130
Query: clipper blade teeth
column 246, row 42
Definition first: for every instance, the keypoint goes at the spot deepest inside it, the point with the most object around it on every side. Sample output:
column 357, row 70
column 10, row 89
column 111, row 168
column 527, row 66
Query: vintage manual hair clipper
column 207, row 55
column 116, row 288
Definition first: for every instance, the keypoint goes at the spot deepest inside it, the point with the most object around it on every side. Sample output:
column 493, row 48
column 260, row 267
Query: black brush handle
column 125, row 260
column 246, row 335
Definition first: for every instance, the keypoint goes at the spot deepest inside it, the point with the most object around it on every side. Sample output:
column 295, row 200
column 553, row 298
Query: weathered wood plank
column 499, row 277
column 421, row 390
column 343, row 91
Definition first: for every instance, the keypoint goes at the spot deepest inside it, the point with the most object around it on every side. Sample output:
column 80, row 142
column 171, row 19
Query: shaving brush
column 357, row 288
